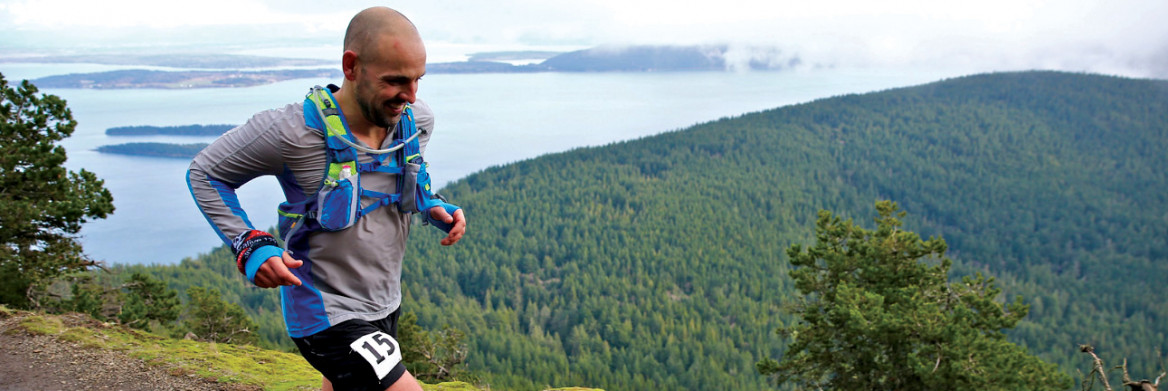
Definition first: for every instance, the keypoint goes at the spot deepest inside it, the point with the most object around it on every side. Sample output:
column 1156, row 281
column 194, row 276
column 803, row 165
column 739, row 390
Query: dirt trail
column 41, row 362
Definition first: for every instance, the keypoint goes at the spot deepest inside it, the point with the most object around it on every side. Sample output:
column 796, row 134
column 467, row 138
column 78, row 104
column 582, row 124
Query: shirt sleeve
column 251, row 150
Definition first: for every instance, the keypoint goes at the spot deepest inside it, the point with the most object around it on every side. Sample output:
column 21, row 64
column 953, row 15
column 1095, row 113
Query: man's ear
column 349, row 65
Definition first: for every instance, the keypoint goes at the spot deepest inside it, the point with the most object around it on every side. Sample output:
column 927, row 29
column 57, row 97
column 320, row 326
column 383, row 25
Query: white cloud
column 1128, row 34
column 142, row 13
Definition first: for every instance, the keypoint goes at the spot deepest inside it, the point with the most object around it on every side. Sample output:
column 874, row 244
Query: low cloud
column 1126, row 37
column 742, row 58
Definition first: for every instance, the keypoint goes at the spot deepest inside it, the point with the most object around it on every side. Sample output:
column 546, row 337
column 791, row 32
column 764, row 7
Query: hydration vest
column 337, row 203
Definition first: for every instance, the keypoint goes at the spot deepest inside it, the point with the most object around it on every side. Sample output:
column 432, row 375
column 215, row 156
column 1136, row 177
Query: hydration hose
column 361, row 148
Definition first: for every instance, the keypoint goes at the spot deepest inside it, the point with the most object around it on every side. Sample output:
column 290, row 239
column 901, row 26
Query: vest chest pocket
column 338, row 205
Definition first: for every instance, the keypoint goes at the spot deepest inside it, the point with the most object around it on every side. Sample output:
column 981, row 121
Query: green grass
column 244, row 366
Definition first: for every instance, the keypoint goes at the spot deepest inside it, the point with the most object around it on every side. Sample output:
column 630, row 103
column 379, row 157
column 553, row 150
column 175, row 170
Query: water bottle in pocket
column 338, row 204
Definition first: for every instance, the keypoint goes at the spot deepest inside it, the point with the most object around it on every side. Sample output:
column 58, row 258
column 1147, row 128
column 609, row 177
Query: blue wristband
column 442, row 225
column 257, row 259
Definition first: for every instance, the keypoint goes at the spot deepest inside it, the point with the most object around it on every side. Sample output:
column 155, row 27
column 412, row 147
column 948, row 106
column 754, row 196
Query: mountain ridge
column 1017, row 145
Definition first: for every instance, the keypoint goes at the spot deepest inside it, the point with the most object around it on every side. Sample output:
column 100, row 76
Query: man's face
column 388, row 79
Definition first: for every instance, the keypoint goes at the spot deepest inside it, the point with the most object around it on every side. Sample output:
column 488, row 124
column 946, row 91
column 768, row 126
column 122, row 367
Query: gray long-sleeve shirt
column 350, row 274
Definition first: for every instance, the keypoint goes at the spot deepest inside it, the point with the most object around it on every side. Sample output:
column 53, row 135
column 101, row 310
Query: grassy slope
column 244, row 366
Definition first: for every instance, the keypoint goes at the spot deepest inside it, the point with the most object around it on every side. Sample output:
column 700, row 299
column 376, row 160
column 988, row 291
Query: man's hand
column 459, row 221
column 274, row 272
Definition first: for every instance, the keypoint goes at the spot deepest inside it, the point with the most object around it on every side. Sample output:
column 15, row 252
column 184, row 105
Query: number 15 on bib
column 381, row 350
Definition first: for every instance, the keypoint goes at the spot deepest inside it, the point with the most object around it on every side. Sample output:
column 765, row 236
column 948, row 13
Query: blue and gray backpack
column 337, row 205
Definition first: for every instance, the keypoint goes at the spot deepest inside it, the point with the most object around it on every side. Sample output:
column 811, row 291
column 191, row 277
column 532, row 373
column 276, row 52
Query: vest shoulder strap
column 336, row 133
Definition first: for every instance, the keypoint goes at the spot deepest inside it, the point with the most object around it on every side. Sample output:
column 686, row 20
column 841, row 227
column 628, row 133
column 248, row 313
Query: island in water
column 142, row 78
column 166, row 150
column 177, row 60
column 516, row 55
column 178, row 130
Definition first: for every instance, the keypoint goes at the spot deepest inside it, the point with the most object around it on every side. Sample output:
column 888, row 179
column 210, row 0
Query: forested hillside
column 659, row 263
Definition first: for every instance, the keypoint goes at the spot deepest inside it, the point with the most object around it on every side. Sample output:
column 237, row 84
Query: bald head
column 383, row 61
column 370, row 26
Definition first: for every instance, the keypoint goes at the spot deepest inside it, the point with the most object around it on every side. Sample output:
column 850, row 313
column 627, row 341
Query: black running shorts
column 356, row 354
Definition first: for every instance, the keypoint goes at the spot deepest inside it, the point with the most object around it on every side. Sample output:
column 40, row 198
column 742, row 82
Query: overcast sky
column 1128, row 37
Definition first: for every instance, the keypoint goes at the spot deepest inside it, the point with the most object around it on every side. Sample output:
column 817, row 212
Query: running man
column 349, row 160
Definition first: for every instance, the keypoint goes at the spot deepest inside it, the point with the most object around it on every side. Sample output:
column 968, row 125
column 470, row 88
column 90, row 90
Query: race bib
column 380, row 350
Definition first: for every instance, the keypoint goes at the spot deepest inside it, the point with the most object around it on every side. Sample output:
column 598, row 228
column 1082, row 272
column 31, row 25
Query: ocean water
column 482, row 120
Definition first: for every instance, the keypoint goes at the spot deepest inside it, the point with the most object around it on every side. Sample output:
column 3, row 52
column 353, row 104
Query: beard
column 374, row 113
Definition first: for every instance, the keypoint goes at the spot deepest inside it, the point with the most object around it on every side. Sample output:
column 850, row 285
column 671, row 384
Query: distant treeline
column 182, row 151
column 179, row 130
column 142, row 78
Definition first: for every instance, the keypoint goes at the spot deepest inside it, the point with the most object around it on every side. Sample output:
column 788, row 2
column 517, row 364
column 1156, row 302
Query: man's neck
column 370, row 134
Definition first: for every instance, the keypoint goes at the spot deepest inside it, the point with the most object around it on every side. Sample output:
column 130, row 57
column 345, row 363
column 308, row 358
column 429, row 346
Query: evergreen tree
column 211, row 318
column 148, row 299
column 42, row 205
column 89, row 296
column 433, row 357
column 879, row 313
